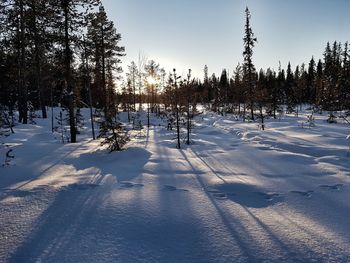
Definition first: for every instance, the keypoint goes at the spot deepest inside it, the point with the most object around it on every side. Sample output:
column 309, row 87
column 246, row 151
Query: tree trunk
column 37, row 62
column 105, row 98
column 23, row 96
column 69, row 87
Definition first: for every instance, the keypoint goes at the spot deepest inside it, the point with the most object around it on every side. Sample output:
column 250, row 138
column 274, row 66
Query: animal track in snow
column 125, row 184
column 218, row 194
column 171, row 188
column 269, row 196
column 82, row 186
column 306, row 193
column 332, row 187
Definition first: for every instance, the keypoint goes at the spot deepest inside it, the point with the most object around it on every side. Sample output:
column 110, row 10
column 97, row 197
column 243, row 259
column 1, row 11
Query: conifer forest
column 108, row 157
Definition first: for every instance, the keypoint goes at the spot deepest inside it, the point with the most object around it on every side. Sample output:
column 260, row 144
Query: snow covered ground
column 237, row 194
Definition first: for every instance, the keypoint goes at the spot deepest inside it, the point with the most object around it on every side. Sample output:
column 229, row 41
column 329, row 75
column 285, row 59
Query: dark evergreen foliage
column 113, row 134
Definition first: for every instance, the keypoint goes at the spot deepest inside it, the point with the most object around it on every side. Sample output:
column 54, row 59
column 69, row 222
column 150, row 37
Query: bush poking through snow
column 310, row 121
column 5, row 124
column 113, row 135
column 332, row 118
column 8, row 156
column 61, row 129
column 79, row 121
column 31, row 113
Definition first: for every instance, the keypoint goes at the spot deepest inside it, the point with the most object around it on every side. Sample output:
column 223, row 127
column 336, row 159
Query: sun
column 151, row 80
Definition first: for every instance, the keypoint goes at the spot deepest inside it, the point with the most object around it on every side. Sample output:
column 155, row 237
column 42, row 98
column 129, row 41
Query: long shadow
column 147, row 138
column 285, row 247
column 57, row 226
column 36, row 176
column 124, row 165
column 207, row 165
column 244, row 245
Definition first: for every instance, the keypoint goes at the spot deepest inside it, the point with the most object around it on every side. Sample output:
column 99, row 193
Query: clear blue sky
column 191, row 33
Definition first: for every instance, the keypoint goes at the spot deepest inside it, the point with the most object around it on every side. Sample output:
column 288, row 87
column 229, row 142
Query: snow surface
column 237, row 194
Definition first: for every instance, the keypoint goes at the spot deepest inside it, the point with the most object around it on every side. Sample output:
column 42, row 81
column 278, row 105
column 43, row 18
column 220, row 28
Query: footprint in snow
column 264, row 148
column 306, row 193
column 125, row 184
column 219, row 195
column 269, row 196
column 332, row 187
column 82, row 186
column 171, row 188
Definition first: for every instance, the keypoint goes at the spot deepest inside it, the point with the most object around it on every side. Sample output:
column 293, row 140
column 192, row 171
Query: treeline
column 67, row 53
column 323, row 84
column 57, row 52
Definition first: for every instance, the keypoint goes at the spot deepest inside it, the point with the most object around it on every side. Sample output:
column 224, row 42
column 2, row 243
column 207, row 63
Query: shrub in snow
column 332, row 118
column 136, row 123
column 60, row 128
column 5, row 123
column 31, row 113
column 310, row 121
column 79, row 121
column 113, row 135
column 5, row 149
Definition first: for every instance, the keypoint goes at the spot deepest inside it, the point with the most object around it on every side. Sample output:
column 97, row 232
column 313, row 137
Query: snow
column 237, row 194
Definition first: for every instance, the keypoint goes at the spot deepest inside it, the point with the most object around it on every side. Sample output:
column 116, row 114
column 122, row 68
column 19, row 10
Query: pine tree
column 70, row 18
column 14, row 14
column 132, row 76
column 104, row 43
column 40, row 16
column 261, row 95
column 237, row 90
column 152, row 70
column 113, row 134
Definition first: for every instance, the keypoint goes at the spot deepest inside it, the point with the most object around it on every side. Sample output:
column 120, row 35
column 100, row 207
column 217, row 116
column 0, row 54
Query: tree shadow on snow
column 68, row 217
column 246, row 195
column 124, row 166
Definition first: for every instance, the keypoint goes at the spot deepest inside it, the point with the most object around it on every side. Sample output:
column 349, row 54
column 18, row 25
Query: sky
column 189, row 34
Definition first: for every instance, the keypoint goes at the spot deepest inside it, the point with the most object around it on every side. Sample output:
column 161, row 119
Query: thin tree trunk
column 37, row 62
column 71, row 102
column 23, row 96
column 88, row 86
column 106, row 101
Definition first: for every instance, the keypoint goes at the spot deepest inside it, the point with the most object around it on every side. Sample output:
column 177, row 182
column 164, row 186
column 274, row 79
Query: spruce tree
column 345, row 80
column 223, row 89
column 289, row 90
column 249, row 69
column 311, row 78
column 319, row 83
